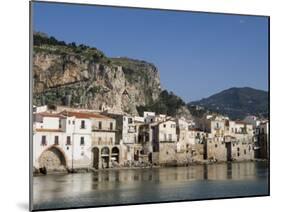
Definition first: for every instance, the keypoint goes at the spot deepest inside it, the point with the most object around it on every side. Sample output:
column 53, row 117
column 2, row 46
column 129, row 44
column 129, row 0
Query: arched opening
column 95, row 157
column 150, row 157
column 115, row 154
column 52, row 159
column 136, row 155
column 105, row 157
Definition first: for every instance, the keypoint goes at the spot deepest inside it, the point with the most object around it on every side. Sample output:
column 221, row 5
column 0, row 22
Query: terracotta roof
column 84, row 115
column 48, row 130
column 46, row 114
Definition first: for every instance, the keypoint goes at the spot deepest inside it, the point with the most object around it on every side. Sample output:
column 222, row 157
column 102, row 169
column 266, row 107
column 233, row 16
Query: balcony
column 96, row 142
column 104, row 129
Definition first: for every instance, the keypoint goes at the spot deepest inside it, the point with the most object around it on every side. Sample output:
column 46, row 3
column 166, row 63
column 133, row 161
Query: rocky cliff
column 83, row 77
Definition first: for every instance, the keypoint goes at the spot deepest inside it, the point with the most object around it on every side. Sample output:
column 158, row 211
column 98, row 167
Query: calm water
column 150, row 185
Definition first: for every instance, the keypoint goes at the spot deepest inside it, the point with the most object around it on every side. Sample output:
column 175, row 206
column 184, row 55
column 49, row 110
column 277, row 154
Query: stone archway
column 115, row 154
column 105, row 157
column 96, row 157
column 52, row 159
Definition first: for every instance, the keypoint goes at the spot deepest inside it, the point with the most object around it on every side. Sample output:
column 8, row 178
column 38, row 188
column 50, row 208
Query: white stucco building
column 61, row 141
column 74, row 140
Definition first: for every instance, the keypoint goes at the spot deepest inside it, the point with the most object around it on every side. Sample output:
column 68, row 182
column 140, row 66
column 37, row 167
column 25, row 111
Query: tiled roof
column 48, row 130
column 46, row 114
column 84, row 115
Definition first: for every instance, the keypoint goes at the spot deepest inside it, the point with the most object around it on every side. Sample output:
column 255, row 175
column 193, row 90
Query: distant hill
column 237, row 102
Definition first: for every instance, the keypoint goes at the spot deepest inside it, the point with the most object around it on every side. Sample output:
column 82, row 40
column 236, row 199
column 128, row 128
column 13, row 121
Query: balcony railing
column 104, row 129
column 104, row 142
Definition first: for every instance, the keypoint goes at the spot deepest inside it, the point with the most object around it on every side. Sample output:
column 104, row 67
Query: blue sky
column 197, row 54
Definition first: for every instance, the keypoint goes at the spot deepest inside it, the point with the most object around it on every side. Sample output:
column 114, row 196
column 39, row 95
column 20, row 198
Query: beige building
column 262, row 141
column 227, row 140
column 164, row 142
column 196, row 145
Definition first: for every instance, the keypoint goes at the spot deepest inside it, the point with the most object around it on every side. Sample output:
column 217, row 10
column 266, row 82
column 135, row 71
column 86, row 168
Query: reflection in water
column 150, row 185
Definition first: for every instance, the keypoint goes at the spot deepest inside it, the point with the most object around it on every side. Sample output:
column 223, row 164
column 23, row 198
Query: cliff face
column 72, row 79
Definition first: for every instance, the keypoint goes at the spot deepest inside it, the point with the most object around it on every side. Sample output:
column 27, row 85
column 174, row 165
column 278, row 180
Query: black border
column 30, row 105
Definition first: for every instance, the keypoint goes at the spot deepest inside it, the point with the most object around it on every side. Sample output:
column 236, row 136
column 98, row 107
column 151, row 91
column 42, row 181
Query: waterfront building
column 104, row 148
column 164, row 143
column 253, row 120
column 126, row 135
column 82, row 139
column 61, row 142
column 227, row 140
column 196, row 147
column 262, row 141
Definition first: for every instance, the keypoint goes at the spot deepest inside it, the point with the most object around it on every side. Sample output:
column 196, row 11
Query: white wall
column 167, row 129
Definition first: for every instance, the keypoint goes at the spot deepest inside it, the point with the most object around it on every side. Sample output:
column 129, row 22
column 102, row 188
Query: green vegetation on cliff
column 167, row 103
column 43, row 43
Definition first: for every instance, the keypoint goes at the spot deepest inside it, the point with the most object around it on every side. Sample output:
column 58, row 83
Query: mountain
column 237, row 102
column 81, row 76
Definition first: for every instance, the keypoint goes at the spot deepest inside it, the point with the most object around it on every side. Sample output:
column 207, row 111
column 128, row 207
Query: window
column 245, row 151
column 216, row 145
column 151, row 120
column 100, row 125
column 68, row 140
column 82, row 141
column 164, row 125
column 147, row 137
column 69, row 122
column 111, row 140
column 43, row 140
column 82, row 153
column 56, row 140
column 111, row 126
column 73, row 122
column 238, row 149
column 165, row 137
column 130, row 120
column 99, row 140
column 238, row 154
column 83, row 124
column 217, row 125
column 59, row 123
